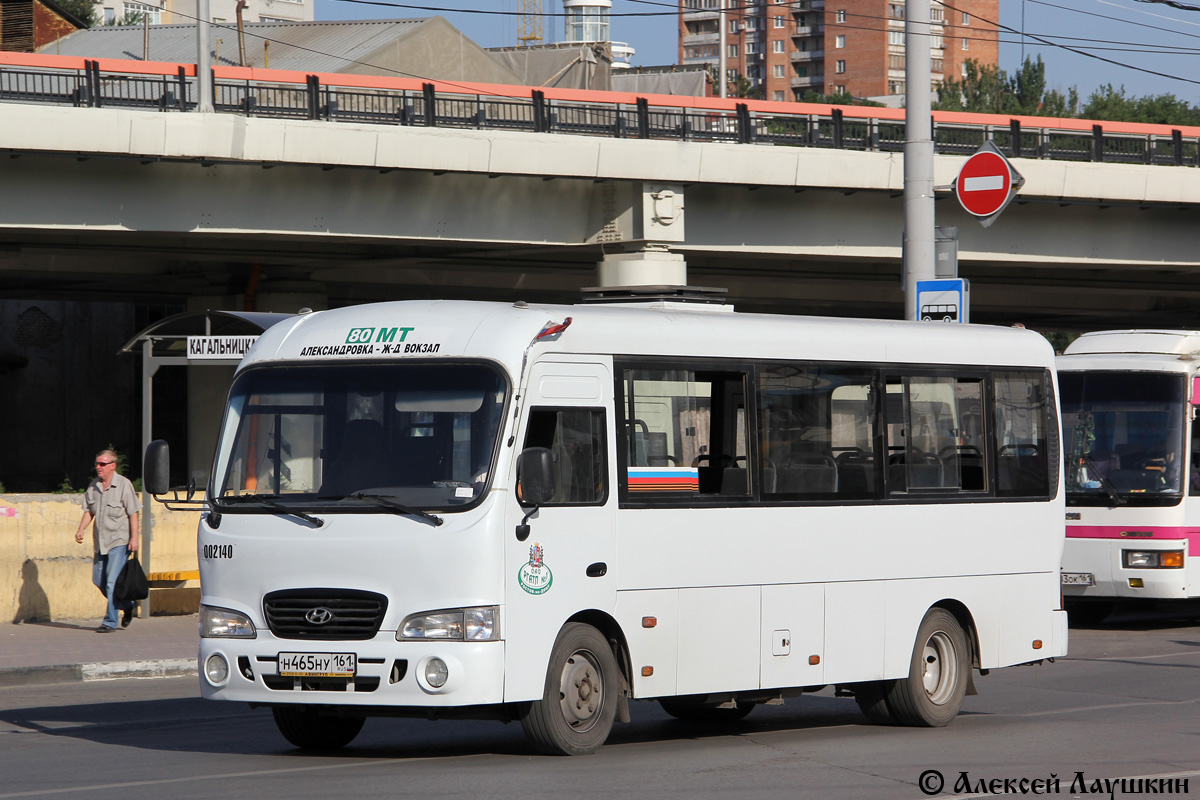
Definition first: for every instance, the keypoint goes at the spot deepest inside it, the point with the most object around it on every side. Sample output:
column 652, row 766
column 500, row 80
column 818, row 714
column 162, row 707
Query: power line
column 1083, row 53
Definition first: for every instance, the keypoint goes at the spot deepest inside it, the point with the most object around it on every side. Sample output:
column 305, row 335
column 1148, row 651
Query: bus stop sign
column 944, row 300
column 987, row 183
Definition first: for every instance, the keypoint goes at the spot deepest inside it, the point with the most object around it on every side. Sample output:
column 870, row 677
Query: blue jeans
column 105, row 569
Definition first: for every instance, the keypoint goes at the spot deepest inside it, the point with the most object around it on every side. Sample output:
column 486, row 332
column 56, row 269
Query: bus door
column 567, row 563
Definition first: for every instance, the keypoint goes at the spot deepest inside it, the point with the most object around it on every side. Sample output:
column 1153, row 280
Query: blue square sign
column 943, row 300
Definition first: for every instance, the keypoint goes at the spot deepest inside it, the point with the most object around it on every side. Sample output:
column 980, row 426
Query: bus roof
column 504, row 331
column 1159, row 342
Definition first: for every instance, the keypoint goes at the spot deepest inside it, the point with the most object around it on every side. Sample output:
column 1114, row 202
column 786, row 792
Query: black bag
column 131, row 583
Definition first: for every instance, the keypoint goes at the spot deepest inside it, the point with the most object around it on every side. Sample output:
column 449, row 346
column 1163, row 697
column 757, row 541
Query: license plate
column 318, row 665
column 1078, row 579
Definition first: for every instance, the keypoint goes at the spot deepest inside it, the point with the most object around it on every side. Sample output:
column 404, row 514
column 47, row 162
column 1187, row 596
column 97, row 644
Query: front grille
column 278, row 683
column 327, row 614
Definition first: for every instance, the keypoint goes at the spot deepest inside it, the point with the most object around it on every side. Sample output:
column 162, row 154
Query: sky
column 1148, row 35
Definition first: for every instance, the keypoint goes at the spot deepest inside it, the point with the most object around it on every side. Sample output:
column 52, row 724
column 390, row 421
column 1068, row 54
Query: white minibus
column 540, row 513
column 1132, row 469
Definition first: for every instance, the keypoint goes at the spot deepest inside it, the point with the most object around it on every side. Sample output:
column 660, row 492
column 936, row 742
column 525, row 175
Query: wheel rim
column 939, row 668
column 581, row 691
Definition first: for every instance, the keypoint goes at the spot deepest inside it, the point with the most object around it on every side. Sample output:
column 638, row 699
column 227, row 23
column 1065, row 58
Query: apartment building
column 780, row 49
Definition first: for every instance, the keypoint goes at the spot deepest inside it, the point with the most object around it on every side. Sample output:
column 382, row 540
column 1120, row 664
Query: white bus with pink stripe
column 1133, row 468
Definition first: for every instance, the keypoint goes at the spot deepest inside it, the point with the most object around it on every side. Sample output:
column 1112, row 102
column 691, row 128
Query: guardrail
column 151, row 86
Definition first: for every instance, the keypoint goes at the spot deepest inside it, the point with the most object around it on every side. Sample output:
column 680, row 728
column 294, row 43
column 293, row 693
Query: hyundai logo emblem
column 319, row 616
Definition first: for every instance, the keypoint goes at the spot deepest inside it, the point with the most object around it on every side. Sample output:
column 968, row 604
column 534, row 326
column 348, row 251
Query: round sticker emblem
column 534, row 576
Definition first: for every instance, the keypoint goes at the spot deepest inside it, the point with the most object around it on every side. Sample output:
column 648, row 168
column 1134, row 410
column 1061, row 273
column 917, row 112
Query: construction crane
column 529, row 23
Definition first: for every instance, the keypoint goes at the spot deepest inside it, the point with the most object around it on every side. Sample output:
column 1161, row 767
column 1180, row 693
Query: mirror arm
column 523, row 528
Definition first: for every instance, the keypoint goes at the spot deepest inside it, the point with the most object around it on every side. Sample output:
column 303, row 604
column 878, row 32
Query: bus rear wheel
column 933, row 692
column 309, row 730
column 579, row 704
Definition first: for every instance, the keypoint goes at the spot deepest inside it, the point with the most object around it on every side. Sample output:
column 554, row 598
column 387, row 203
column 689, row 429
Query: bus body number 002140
column 317, row 665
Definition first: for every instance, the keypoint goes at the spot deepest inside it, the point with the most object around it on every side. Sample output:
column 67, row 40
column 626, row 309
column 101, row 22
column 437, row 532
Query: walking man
column 112, row 505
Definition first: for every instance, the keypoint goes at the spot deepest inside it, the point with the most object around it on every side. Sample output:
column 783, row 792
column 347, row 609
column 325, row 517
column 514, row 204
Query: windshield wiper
column 1105, row 483
column 399, row 508
column 270, row 502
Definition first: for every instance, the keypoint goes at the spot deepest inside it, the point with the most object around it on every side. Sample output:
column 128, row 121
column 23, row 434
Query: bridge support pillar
column 653, row 265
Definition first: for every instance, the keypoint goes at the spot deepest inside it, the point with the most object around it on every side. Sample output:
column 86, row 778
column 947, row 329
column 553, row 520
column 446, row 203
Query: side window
column 576, row 438
column 817, row 433
column 1194, row 469
column 935, row 434
column 685, row 433
column 1023, row 436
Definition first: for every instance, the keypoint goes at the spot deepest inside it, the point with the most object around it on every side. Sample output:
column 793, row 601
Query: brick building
column 784, row 48
column 26, row 25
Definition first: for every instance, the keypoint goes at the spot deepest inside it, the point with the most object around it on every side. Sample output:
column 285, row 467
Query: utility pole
column 203, row 59
column 722, row 64
column 918, row 257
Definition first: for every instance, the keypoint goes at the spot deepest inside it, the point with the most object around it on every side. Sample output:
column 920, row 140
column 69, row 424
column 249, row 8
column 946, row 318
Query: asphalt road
column 1123, row 704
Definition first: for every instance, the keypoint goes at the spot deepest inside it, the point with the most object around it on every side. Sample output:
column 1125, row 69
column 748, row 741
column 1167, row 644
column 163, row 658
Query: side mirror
column 535, row 476
column 156, row 468
column 535, row 483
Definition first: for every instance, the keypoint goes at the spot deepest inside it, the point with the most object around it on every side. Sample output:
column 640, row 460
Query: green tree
column 741, row 86
column 1108, row 103
column 988, row 89
column 83, row 10
column 837, row 99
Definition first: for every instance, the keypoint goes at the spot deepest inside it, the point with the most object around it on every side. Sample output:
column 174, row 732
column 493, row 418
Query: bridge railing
column 26, row 78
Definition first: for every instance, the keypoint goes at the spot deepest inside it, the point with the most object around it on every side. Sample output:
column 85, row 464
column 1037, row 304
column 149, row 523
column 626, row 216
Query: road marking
column 97, row 787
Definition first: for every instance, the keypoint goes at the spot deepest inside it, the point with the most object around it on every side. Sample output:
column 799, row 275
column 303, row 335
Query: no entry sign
column 986, row 183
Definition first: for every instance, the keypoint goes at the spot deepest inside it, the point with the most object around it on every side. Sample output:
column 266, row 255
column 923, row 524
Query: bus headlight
column 479, row 624
column 1152, row 559
column 222, row 623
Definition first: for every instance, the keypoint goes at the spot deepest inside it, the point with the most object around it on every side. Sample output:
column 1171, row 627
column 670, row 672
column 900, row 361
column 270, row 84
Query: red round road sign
column 984, row 183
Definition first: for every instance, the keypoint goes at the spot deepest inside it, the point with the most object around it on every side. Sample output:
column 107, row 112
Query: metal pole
column 919, row 258
column 203, row 59
column 722, row 63
column 148, row 370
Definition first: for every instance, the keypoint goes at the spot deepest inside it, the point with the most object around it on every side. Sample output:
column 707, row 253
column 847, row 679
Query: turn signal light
column 1136, row 583
column 649, row 622
column 1172, row 558
column 647, row 672
column 814, row 660
column 1037, row 644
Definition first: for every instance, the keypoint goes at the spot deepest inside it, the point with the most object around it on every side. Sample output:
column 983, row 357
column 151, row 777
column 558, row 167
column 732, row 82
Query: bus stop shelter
column 193, row 339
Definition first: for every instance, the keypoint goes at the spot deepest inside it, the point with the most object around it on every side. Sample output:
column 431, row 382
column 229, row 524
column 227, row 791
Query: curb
column 107, row 671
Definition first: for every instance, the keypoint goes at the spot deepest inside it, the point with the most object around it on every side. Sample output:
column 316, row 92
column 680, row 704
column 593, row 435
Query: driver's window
column 685, row 432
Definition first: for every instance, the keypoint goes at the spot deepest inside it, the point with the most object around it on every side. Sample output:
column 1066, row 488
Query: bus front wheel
column 933, row 692
column 579, row 704
column 309, row 730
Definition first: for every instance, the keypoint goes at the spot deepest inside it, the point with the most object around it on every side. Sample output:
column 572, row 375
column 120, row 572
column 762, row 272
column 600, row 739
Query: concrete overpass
column 232, row 211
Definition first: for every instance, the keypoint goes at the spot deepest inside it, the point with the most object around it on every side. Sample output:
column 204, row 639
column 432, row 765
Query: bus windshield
column 1123, row 433
column 420, row 434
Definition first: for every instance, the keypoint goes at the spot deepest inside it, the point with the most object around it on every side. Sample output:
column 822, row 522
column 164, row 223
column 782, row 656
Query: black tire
column 1089, row 612
column 309, row 730
column 687, row 710
column 933, row 692
column 871, row 697
column 579, row 704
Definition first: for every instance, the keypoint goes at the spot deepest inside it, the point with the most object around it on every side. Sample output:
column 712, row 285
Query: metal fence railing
column 92, row 87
